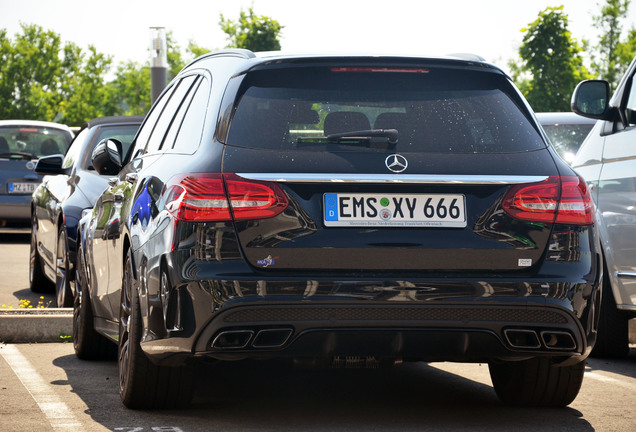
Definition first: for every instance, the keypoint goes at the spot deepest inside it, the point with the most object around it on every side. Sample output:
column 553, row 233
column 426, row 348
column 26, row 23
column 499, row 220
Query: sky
column 489, row 28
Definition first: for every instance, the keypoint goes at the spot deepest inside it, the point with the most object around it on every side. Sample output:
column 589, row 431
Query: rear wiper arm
column 386, row 135
column 372, row 136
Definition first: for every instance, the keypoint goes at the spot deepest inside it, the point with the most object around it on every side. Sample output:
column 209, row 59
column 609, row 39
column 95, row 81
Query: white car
column 607, row 161
column 566, row 131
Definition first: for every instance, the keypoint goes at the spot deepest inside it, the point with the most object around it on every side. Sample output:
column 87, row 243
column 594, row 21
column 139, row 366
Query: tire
column 38, row 282
column 88, row 344
column 63, row 293
column 612, row 339
column 143, row 384
column 536, row 382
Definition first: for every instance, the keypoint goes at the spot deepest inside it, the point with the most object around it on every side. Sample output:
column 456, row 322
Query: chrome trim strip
column 626, row 274
column 391, row 178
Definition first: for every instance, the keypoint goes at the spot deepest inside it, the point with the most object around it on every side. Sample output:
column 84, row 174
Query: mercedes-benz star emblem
column 396, row 163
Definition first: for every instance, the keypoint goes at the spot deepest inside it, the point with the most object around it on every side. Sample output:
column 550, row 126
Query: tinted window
column 433, row 110
column 189, row 134
column 168, row 113
column 149, row 123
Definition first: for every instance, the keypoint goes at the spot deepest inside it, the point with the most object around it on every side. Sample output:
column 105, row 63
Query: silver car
column 607, row 161
column 22, row 142
column 566, row 131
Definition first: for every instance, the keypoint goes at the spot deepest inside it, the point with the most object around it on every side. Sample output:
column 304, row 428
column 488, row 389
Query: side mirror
column 50, row 165
column 591, row 99
column 107, row 157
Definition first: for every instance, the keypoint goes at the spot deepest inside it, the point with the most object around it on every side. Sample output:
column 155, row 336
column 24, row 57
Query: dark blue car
column 22, row 142
column 71, row 185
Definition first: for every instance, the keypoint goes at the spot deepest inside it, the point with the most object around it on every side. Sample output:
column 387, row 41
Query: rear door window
column 432, row 110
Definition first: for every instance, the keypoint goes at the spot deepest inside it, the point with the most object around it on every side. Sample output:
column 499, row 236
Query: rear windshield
column 32, row 141
column 432, row 110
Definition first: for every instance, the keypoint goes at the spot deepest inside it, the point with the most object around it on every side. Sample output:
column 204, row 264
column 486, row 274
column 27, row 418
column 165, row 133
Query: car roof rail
column 230, row 52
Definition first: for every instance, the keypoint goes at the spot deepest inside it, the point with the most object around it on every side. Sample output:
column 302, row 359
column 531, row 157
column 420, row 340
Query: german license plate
column 22, row 188
column 394, row 210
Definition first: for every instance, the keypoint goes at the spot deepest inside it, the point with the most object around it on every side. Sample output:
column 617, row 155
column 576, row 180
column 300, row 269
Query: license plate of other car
column 394, row 210
column 22, row 188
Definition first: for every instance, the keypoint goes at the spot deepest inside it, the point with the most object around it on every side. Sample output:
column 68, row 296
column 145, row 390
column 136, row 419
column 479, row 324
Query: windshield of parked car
column 32, row 142
column 567, row 138
column 432, row 110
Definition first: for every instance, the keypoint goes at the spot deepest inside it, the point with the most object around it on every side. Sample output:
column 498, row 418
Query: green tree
column 129, row 92
column 551, row 62
column 42, row 80
column 608, row 60
column 30, row 74
column 84, row 92
column 253, row 32
column 625, row 51
column 196, row 50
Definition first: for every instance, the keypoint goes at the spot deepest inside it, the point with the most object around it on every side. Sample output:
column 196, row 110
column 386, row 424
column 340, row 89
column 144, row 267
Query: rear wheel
column 612, row 340
column 38, row 282
column 536, row 382
column 143, row 384
column 63, row 294
column 88, row 344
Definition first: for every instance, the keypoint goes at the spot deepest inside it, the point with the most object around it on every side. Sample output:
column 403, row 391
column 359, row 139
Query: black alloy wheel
column 38, row 282
column 63, row 292
column 612, row 340
column 143, row 384
column 88, row 344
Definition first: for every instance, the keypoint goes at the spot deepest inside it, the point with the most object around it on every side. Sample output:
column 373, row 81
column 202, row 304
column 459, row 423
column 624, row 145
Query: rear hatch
column 388, row 168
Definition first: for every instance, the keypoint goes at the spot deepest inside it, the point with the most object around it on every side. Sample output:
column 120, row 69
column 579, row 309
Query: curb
column 39, row 325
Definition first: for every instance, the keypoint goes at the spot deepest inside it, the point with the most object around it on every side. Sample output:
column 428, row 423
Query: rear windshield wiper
column 373, row 136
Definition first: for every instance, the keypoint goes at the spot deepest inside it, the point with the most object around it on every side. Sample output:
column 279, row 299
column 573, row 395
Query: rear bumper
column 15, row 208
column 443, row 321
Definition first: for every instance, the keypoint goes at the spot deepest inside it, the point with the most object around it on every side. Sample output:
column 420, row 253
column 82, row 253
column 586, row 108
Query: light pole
column 158, row 62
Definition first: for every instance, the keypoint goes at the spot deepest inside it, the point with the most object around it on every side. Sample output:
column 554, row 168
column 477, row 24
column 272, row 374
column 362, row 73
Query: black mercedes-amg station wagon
column 338, row 209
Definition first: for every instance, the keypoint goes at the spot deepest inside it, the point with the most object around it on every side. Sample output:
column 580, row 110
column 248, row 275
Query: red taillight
column 203, row 197
column 564, row 200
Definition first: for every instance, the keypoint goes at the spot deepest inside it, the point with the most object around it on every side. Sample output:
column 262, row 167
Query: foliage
column 30, row 74
column 196, row 50
column 129, row 92
column 84, row 92
column 253, row 32
column 551, row 62
column 608, row 63
column 625, row 51
column 26, row 304
column 42, row 79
